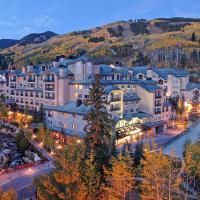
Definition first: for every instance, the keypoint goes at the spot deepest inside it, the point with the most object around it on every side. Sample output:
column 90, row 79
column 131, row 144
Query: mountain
column 29, row 39
column 5, row 43
column 36, row 38
column 158, row 42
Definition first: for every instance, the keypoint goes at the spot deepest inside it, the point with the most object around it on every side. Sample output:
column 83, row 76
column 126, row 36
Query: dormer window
column 113, row 77
column 141, row 77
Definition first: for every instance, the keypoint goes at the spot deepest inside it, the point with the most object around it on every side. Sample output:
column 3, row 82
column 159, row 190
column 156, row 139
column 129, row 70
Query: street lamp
column 29, row 170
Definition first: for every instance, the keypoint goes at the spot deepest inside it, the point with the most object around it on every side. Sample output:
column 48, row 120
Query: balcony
column 13, row 86
column 115, row 109
column 157, row 104
column 114, row 99
column 50, row 89
column 13, row 80
column 31, row 80
column 157, row 112
column 49, row 97
column 49, row 80
column 158, row 96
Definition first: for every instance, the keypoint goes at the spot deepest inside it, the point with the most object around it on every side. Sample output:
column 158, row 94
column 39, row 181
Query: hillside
column 160, row 42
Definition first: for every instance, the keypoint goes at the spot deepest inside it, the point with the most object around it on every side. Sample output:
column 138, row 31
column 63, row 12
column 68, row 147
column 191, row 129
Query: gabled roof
column 138, row 70
column 109, row 70
column 191, row 86
column 164, row 72
column 148, row 85
column 139, row 115
column 108, row 89
column 132, row 97
column 70, row 107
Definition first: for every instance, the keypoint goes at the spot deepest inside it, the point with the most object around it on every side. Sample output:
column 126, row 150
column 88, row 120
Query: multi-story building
column 138, row 97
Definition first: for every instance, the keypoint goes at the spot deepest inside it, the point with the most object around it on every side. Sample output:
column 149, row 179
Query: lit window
column 80, row 87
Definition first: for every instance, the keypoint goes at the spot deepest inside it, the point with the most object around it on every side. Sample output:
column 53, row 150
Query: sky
column 21, row 17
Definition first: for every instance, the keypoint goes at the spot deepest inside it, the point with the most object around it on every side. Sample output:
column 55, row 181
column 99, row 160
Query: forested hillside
column 159, row 42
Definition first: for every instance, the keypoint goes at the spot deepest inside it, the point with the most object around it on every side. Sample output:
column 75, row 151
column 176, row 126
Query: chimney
column 61, row 71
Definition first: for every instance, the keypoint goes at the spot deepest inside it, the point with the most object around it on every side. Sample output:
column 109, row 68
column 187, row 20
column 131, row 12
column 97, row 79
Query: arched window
column 160, row 82
column 141, row 76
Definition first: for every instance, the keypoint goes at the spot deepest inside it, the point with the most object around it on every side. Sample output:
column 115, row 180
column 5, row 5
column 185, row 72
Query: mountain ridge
column 158, row 42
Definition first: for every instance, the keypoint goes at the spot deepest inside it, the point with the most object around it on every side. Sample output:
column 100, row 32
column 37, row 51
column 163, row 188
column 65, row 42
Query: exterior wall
column 189, row 95
column 174, row 86
column 115, row 106
column 146, row 106
column 131, row 107
column 63, row 120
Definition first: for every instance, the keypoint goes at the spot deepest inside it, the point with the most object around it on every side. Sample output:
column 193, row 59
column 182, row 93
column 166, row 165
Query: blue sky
column 21, row 17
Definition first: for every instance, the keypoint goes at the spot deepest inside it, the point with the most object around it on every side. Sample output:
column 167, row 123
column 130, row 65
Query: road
column 177, row 145
column 22, row 180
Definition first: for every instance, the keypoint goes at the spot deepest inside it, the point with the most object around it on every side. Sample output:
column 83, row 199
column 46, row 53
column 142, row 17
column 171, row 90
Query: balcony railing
column 48, row 97
column 49, row 80
column 158, row 96
column 115, row 109
column 50, row 89
column 12, row 86
column 157, row 112
column 114, row 99
column 157, row 104
column 31, row 80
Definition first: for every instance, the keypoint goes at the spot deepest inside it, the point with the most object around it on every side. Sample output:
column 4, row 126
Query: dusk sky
column 21, row 17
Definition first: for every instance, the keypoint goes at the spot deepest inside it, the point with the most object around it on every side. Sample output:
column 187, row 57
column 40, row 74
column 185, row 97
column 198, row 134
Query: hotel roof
column 133, row 97
column 108, row 89
column 70, row 107
column 191, row 86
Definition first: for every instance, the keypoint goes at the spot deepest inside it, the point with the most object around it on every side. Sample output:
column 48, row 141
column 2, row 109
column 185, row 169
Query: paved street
column 22, row 180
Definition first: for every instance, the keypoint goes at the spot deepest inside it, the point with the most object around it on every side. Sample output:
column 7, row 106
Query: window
column 74, row 115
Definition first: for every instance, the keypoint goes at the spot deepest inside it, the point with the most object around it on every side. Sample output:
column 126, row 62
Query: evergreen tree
column 9, row 195
column 193, row 39
column 161, row 177
column 120, row 177
column 65, row 181
column 138, row 154
column 99, row 127
column 194, row 113
column 181, row 109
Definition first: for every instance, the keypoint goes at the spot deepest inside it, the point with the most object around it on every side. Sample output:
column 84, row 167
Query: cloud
column 43, row 21
column 38, row 24
column 4, row 23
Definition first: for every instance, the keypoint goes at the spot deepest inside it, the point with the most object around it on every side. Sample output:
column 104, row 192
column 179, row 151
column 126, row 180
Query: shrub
column 96, row 39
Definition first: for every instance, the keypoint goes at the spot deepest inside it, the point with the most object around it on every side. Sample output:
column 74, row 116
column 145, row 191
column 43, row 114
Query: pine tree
column 194, row 113
column 65, row 181
column 193, row 39
column 9, row 195
column 99, row 127
column 161, row 177
column 120, row 177
column 181, row 109
column 138, row 154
